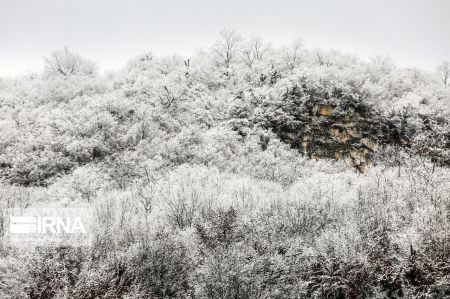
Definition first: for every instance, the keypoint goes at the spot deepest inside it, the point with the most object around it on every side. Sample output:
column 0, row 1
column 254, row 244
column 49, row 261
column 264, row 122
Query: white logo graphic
column 50, row 227
column 43, row 225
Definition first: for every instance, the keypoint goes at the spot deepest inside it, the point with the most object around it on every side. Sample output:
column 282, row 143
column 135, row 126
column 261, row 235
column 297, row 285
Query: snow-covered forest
column 246, row 170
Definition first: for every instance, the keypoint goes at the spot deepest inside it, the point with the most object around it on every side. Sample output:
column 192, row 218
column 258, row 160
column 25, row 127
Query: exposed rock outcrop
column 339, row 128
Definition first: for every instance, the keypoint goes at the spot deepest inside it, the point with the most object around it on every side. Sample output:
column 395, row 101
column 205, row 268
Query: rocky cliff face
column 340, row 132
column 340, row 128
column 345, row 127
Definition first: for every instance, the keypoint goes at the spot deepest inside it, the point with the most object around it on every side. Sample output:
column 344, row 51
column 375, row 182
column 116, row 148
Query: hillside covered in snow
column 244, row 171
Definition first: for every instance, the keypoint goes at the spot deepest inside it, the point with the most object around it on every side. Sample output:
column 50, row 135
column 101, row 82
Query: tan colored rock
column 341, row 136
column 358, row 154
column 373, row 145
column 325, row 110
column 362, row 167
column 353, row 133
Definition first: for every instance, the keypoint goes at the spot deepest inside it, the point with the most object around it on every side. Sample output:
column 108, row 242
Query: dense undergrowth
column 201, row 191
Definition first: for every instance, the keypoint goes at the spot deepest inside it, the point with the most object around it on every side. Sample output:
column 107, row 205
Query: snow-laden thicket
column 203, row 189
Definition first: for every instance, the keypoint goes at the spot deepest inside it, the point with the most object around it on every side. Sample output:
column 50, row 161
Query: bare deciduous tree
column 253, row 51
column 293, row 54
column 227, row 48
column 444, row 71
column 64, row 63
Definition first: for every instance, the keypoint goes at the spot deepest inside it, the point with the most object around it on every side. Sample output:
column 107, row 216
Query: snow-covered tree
column 227, row 48
column 444, row 72
column 253, row 51
column 65, row 63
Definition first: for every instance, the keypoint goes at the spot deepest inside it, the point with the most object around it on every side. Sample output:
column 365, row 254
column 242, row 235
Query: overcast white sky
column 412, row 32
